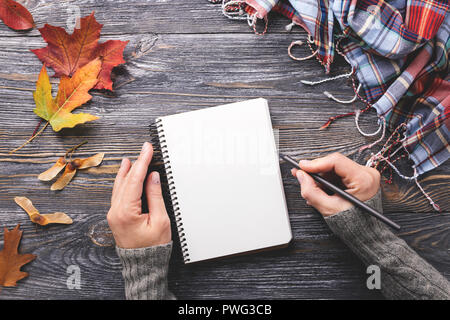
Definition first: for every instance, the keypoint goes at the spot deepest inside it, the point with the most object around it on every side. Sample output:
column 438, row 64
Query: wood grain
column 184, row 55
column 142, row 16
column 315, row 265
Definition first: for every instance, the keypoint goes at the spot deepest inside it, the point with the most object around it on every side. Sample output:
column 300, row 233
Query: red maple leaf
column 67, row 53
column 15, row 16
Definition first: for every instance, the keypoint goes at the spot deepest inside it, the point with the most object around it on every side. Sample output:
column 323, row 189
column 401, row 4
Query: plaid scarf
column 399, row 51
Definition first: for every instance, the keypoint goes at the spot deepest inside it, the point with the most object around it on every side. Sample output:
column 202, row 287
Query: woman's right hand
column 360, row 181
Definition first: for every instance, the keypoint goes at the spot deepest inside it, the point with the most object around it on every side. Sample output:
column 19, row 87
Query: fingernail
column 300, row 176
column 293, row 171
column 155, row 178
column 122, row 163
column 303, row 162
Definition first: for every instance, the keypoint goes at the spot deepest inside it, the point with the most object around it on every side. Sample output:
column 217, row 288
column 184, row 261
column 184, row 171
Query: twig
column 29, row 140
column 37, row 127
column 72, row 150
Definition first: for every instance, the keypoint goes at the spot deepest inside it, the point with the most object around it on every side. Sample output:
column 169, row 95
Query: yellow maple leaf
column 72, row 93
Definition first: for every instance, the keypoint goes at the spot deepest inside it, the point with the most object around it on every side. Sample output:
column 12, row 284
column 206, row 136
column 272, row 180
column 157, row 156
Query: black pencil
column 344, row 194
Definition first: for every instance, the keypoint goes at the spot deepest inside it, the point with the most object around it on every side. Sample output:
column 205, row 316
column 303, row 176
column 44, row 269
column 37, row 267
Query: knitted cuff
column 352, row 223
column 145, row 271
column 160, row 254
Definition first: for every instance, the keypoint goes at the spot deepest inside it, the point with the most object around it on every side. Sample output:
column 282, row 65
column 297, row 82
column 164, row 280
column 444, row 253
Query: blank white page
column 226, row 174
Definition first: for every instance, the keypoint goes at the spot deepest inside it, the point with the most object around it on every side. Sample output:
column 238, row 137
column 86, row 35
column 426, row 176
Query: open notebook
column 224, row 178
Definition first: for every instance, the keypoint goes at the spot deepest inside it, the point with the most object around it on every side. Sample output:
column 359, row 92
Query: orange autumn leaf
column 72, row 93
column 10, row 260
column 41, row 219
column 15, row 16
column 73, row 166
column 67, row 53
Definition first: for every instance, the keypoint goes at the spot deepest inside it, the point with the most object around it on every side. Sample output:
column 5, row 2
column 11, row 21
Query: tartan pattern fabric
column 400, row 51
column 312, row 15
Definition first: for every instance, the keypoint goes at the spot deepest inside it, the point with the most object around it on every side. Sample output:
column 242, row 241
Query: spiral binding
column 172, row 189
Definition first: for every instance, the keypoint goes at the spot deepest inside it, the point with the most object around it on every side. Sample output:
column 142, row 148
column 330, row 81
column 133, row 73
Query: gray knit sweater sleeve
column 145, row 272
column 404, row 275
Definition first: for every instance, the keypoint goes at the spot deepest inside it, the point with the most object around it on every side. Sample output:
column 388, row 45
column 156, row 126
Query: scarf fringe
column 235, row 10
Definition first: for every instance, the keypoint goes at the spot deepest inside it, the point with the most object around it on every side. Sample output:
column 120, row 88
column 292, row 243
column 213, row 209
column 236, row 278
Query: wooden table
column 184, row 55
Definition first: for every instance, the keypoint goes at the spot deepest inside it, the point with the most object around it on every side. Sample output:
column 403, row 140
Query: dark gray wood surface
column 184, row 55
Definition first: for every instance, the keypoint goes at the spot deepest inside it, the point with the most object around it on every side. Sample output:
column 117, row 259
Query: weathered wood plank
column 18, row 173
column 141, row 16
column 206, row 64
column 315, row 265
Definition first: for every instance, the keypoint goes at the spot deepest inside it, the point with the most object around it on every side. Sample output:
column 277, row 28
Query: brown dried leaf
column 65, row 178
column 41, row 219
column 57, row 217
column 10, row 260
column 93, row 161
column 53, row 171
column 27, row 206
column 70, row 170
